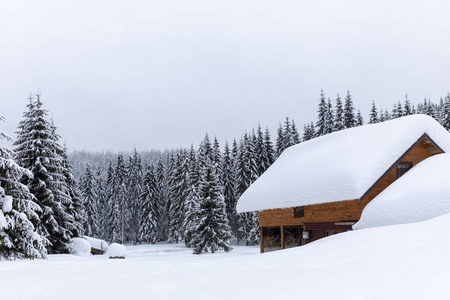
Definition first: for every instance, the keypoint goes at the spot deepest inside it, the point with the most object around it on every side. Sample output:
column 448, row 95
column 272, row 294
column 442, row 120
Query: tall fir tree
column 359, row 119
column 134, row 191
column 113, row 208
column 261, row 155
column 246, row 174
column 76, row 207
column 339, row 115
column 308, row 132
column 229, row 181
column 148, row 213
column 329, row 118
column 163, row 200
column 38, row 150
column 18, row 238
column 102, row 203
column 212, row 232
column 349, row 112
column 178, row 191
column 321, row 115
column 408, row 109
column 90, row 197
column 120, row 209
column 279, row 141
column 373, row 118
column 295, row 134
column 269, row 147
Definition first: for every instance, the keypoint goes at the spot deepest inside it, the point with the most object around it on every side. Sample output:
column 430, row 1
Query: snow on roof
column 338, row 166
column 421, row 194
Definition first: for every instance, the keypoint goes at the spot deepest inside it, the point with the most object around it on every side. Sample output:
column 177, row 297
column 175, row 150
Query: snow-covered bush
column 80, row 247
column 117, row 251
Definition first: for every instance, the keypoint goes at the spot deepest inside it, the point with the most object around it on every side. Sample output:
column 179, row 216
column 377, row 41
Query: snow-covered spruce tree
column 229, row 182
column 162, row 197
column 381, row 116
column 121, row 198
column 288, row 137
column 295, row 134
column 262, row 160
column 349, row 112
column 430, row 110
column 133, row 182
column 359, row 119
column 149, row 210
column 394, row 111
column 308, row 132
column 321, row 115
column 18, row 238
column 373, row 118
column 177, row 194
column 279, row 143
column 38, row 150
column 329, row 118
column 102, row 204
column 339, row 115
column 190, row 221
column 400, row 111
column 90, row 197
column 205, row 151
column 387, row 116
column 76, row 207
column 212, row 232
column 112, row 213
column 408, row 109
column 446, row 120
column 270, row 152
column 217, row 158
column 246, row 174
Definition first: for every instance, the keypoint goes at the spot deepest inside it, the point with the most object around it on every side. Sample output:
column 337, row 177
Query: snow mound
column 338, row 166
column 117, row 251
column 421, row 194
column 97, row 243
column 80, row 247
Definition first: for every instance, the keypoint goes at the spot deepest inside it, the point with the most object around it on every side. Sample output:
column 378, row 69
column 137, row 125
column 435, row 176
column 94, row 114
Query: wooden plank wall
column 349, row 210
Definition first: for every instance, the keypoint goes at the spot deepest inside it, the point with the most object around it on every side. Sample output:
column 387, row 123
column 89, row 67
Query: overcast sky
column 159, row 74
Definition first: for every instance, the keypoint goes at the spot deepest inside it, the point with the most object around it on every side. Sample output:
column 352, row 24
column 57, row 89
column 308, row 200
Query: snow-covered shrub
column 117, row 251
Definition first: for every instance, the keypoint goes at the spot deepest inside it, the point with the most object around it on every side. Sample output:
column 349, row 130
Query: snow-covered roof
column 338, row 166
column 421, row 194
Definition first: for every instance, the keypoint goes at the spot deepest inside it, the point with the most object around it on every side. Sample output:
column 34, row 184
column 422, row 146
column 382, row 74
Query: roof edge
column 422, row 137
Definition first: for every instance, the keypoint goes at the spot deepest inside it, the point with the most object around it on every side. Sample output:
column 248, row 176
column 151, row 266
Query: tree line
column 186, row 195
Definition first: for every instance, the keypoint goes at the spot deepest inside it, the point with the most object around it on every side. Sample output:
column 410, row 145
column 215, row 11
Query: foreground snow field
column 409, row 261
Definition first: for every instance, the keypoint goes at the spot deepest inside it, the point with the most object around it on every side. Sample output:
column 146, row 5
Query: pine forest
column 49, row 195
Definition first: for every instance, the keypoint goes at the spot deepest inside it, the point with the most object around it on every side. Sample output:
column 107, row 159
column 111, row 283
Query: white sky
column 159, row 74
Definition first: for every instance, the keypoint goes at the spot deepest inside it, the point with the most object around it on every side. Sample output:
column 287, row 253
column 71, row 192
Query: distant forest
column 184, row 195
column 161, row 189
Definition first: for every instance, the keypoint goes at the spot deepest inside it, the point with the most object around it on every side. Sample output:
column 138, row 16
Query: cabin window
column 402, row 168
column 331, row 232
column 271, row 238
column 299, row 212
column 291, row 237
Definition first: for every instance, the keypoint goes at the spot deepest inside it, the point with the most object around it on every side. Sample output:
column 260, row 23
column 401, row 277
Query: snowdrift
column 421, row 194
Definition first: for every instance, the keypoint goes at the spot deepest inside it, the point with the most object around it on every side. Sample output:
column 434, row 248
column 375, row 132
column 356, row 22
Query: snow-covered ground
column 409, row 261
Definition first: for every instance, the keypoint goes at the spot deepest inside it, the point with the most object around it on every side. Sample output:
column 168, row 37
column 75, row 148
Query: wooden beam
column 261, row 246
column 282, row 237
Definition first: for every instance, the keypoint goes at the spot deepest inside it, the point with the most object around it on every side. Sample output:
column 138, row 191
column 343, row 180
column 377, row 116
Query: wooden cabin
column 320, row 187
